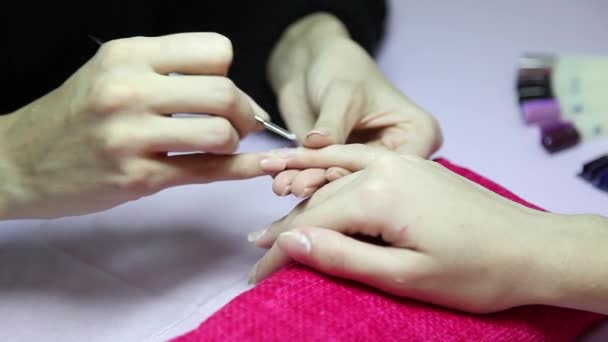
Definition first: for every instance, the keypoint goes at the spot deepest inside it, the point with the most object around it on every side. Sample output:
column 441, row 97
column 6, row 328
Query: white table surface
column 156, row 268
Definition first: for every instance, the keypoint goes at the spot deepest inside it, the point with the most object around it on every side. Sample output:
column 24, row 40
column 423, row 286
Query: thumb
column 333, row 253
column 295, row 108
column 258, row 110
column 340, row 108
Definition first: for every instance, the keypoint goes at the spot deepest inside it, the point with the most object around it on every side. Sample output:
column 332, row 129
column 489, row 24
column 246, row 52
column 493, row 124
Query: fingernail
column 296, row 241
column 306, row 193
column 285, row 191
column 255, row 236
column 318, row 132
column 285, row 153
column 251, row 278
column 273, row 164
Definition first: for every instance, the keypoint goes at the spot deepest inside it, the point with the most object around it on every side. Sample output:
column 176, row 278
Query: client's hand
column 446, row 240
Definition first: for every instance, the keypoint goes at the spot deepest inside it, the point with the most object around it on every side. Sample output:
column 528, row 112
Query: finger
column 295, row 108
column 341, row 107
column 334, row 173
column 331, row 189
column 282, row 182
column 426, row 137
column 258, row 110
column 187, row 53
column 266, row 237
column 272, row 261
column 420, row 135
column 330, row 252
column 307, row 181
column 352, row 157
column 187, row 134
column 146, row 176
column 213, row 95
column 324, row 209
column 206, row 168
column 418, row 140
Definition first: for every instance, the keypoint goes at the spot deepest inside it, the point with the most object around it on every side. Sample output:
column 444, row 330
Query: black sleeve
column 47, row 44
column 256, row 26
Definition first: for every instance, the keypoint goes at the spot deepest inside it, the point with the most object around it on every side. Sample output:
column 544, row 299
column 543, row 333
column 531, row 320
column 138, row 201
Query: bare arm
column 574, row 263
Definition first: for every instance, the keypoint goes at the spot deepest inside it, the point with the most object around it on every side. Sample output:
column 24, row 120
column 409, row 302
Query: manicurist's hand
column 331, row 91
column 102, row 137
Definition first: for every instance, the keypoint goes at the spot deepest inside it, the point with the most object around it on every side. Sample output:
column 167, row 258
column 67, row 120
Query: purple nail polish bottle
column 558, row 136
column 541, row 111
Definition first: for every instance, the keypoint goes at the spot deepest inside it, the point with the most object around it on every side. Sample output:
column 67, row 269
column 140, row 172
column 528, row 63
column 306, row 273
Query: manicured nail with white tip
column 296, row 241
column 317, row 132
column 255, row 236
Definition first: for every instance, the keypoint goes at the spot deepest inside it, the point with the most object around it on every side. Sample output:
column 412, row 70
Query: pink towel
column 299, row 304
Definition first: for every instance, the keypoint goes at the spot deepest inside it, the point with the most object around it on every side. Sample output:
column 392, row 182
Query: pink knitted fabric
column 299, row 304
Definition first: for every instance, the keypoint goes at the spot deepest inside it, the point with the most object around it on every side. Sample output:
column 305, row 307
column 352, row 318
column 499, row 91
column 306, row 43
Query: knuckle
column 342, row 86
column 432, row 123
column 397, row 235
column 376, row 190
column 224, row 48
column 140, row 179
column 407, row 279
column 386, row 166
column 228, row 94
column 114, row 52
column 429, row 130
column 436, row 134
column 402, row 280
column 114, row 143
column 372, row 197
column 412, row 275
column 335, row 261
column 110, row 94
column 225, row 139
column 425, row 119
column 114, row 147
column 217, row 49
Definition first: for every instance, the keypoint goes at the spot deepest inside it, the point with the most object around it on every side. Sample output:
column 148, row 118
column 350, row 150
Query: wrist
column 569, row 263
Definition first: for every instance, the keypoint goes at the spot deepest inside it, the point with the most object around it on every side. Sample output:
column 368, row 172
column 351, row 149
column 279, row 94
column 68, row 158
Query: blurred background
column 459, row 61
